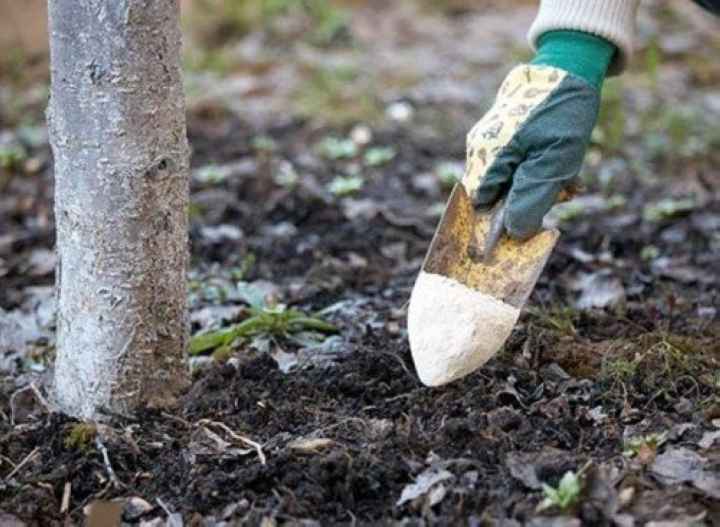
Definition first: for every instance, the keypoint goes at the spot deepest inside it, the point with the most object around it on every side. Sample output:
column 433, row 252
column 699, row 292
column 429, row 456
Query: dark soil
column 342, row 439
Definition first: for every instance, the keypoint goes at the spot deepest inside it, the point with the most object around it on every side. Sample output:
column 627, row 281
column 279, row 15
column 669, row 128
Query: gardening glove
column 711, row 5
column 531, row 144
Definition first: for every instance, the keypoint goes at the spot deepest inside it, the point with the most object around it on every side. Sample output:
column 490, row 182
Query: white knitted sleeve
column 613, row 20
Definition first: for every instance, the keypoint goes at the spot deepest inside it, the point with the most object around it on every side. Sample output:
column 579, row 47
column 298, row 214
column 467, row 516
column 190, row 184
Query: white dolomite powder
column 454, row 329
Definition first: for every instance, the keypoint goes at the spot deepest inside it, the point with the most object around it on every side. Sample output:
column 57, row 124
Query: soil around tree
column 338, row 438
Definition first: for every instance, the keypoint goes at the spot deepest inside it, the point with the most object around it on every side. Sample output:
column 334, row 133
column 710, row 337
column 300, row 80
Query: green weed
column 649, row 253
column 80, row 437
column 285, row 175
column 329, row 21
column 264, row 143
column 209, row 174
column 266, row 319
column 637, row 445
column 565, row 495
column 337, row 148
column 379, row 155
column 12, row 157
column 559, row 319
column 619, row 369
column 659, row 360
column 568, row 211
column 668, row 208
column 345, row 185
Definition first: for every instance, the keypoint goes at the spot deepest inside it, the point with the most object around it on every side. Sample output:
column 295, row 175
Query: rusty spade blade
column 470, row 247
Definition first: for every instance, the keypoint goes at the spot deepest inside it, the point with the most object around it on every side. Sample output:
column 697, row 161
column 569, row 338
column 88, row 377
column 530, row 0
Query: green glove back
column 531, row 144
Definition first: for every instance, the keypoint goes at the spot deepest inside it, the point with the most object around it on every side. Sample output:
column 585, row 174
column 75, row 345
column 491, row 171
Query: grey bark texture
column 117, row 128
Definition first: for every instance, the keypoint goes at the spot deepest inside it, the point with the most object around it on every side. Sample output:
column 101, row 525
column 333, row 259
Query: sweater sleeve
column 613, row 20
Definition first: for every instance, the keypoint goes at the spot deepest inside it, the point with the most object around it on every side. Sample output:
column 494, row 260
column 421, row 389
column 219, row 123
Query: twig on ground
column 402, row 364
column 401, row 396
column 37, row 394
column 8, row 461
column 106, row 459
column 237, row 437
column 177, row 419
column 24, row 462
column 65, row 504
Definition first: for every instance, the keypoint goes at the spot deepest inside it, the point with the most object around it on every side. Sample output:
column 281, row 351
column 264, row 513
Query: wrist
column 582, row 54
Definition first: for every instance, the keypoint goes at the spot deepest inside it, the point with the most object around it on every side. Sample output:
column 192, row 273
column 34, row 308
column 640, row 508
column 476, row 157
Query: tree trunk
column 117, row 129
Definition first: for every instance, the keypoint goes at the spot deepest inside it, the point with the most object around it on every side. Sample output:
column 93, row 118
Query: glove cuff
column 613, row 20
column 582, row 54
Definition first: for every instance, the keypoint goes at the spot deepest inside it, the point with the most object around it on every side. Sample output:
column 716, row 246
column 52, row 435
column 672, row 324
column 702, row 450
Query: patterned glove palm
column 531, row 144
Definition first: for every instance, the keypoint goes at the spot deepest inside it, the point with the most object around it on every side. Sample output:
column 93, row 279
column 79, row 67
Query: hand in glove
column 531, row 144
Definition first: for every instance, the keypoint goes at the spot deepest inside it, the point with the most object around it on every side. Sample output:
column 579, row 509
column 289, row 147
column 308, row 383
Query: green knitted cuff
column 582, row 54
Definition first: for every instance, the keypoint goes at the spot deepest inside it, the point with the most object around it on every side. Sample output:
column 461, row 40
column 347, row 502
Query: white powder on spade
column 454, row 329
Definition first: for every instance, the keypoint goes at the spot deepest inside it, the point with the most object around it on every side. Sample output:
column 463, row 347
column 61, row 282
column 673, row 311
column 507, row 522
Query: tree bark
column 117, row 129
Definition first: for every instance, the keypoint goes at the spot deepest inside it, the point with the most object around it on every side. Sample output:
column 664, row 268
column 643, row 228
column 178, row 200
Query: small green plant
column 649, row 252
column 285, row 175
column 345, row 185
column 560, row 319
column 379, row 155
column 568, row 211
column 266, row 319
column 565, row 495
column 239, row 273
column 12, row 157
column 668, row 208
column 81, row 436
column 635, row 446
column 264, row 143
column 619, row 369
column 449, row 173
column 337, row 148
column 678, row 356
column 209, row 174
column 329, row 21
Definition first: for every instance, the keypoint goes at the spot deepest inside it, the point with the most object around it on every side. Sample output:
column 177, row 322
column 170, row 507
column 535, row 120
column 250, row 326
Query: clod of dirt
column 453, row 329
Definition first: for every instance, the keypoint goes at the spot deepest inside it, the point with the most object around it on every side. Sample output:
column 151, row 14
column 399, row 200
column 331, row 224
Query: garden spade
column 472, row 285
column 476, row 279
